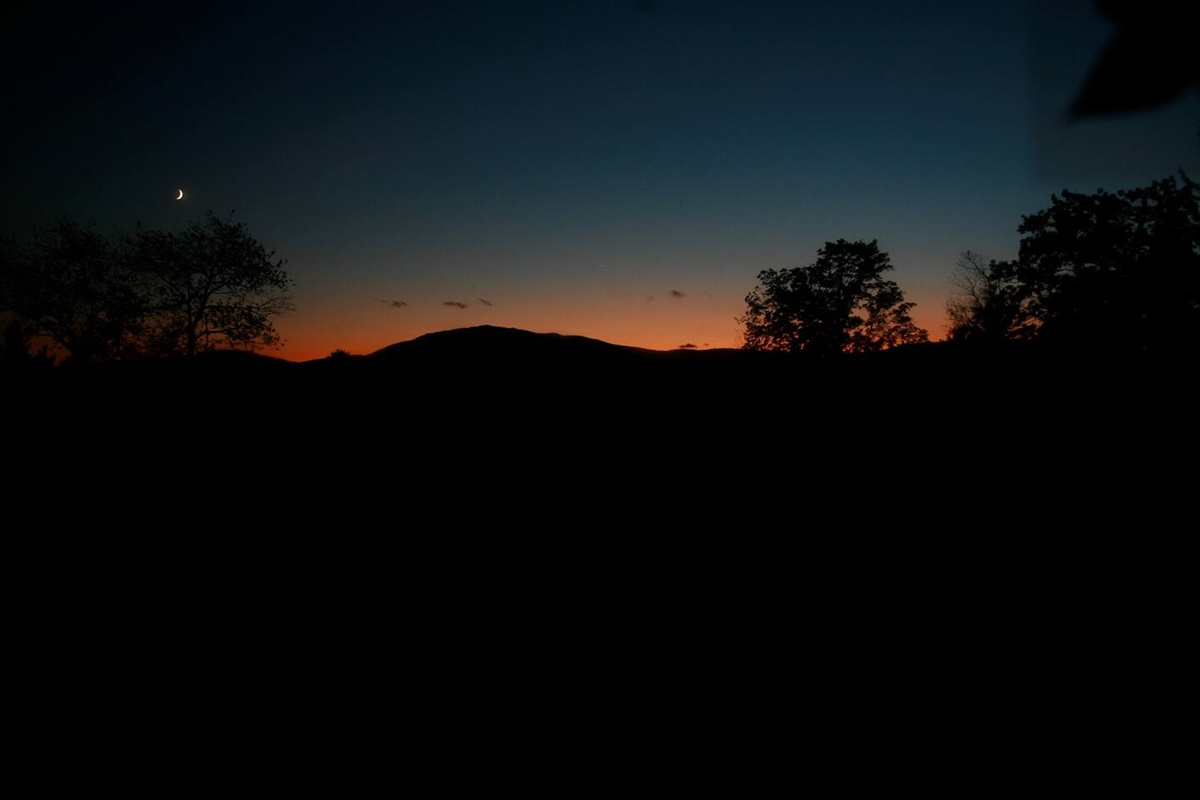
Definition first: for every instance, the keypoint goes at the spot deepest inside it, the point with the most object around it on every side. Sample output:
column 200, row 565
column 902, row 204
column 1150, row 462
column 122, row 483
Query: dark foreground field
column 493, row 540
column 483, row 457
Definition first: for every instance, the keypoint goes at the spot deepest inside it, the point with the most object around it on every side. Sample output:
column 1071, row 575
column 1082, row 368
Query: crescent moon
column 180, row 195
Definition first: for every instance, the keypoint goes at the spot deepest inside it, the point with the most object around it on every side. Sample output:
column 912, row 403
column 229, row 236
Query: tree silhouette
column 149, row 293
column 214, row 287
column 15, row 349
column 985, row 304
column 78, row 288
column 840, row 303
column 1115, row 269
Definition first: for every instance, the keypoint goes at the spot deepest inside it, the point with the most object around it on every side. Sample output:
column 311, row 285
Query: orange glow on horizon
column 649, row 326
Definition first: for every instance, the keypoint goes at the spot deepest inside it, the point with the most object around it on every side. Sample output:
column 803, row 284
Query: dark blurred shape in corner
column 1112, row 93
column 1152, row 59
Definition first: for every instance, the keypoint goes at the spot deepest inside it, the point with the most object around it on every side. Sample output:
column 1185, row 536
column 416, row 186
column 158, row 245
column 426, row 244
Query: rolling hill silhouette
column 527, row 362
column 491, row 348
column 486, row 342
column 530, row 361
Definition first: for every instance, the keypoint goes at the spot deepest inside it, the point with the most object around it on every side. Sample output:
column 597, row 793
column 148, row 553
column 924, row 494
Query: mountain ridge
column 503, row 341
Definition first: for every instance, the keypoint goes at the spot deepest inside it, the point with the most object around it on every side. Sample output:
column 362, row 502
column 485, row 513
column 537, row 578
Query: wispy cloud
column 688, row 346
column 675, row 293
column 454, row 303
column 394, row 303
column 485, row 302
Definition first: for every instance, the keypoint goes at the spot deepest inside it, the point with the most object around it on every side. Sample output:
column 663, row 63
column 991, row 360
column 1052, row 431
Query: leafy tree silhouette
column 1113, row 269
column 148, row 293
column 840, row 303
column 214, row 287
column 78, row 288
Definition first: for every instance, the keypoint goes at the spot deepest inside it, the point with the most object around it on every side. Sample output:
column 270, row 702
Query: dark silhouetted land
column 458, row 464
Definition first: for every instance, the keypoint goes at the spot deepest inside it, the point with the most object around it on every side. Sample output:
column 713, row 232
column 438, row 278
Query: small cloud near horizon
column 454, row 303
column 394, row 303
column 675, row 293
column 688, row 346
column 485, row 302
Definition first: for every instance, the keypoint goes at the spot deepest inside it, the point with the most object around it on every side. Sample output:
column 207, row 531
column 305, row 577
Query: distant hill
column 499, row 351
column 514, row 352
column 508, row 344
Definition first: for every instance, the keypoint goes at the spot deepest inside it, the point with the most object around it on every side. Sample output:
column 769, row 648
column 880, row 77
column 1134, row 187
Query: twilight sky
column 620, row 169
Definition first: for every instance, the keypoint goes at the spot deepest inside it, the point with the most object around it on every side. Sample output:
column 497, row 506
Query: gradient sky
column 621, row 170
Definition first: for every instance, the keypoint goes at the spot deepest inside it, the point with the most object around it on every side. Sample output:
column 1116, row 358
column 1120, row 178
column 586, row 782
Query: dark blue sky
column 616, row 169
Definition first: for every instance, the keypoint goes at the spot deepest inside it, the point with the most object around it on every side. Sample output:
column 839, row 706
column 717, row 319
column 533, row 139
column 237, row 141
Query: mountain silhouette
column 492, row 344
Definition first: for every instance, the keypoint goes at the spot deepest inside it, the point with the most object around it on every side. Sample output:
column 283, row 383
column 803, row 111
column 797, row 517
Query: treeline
column 76, row 295
column 1106, row 271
